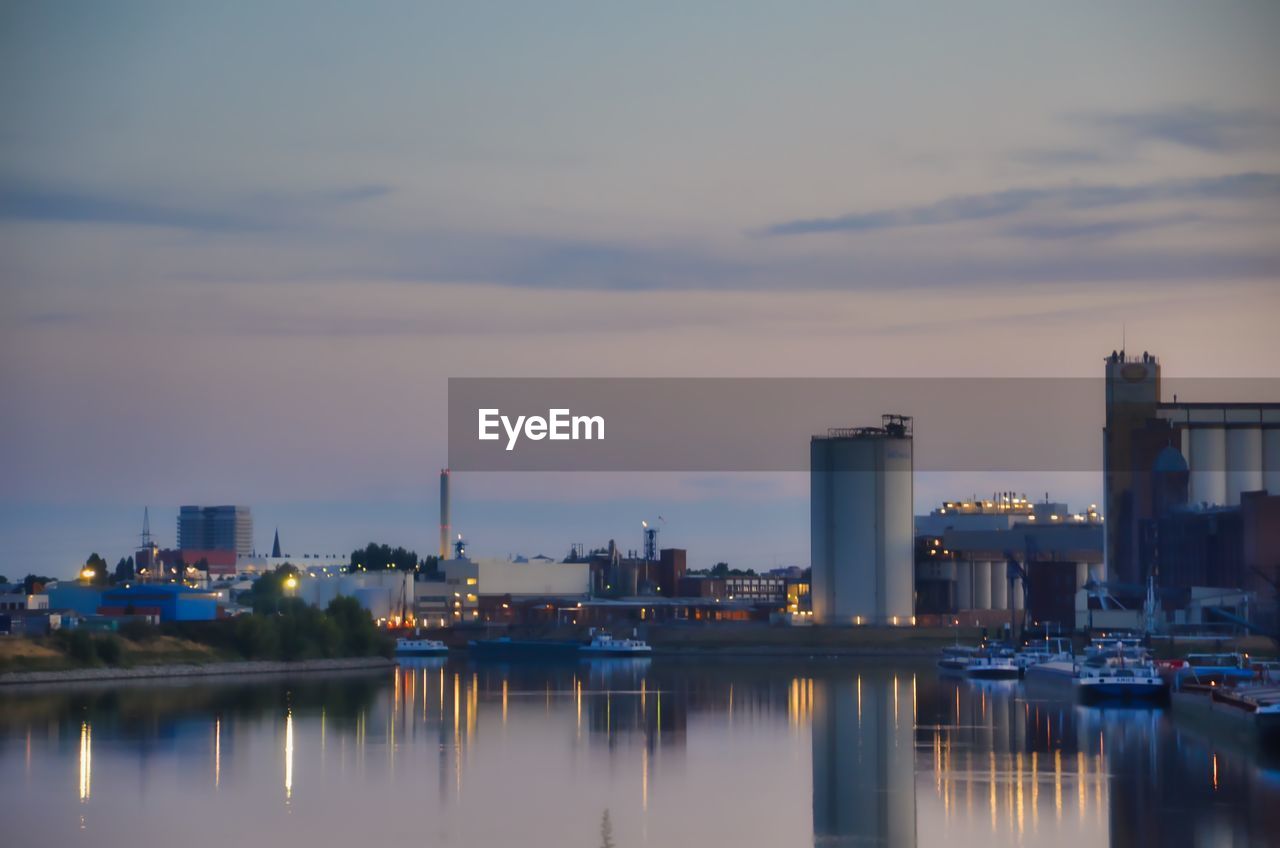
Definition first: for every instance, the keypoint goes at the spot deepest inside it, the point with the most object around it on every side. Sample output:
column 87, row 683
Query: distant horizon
column 242, row 251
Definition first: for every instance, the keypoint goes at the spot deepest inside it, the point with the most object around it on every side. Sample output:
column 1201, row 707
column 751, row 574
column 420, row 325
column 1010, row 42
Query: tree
column 124, row 570
column 269, row 589
column 374, row 557
column 429, row 566
column 96, row 570
column 720, row 569
column 33, row 583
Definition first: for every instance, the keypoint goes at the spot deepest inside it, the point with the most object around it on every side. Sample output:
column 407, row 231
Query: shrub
column 80, row 647
column 109, row 649
column 139, row 630
column 255, row 637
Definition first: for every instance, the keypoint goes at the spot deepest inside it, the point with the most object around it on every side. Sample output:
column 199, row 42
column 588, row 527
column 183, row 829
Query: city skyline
column 248, row 281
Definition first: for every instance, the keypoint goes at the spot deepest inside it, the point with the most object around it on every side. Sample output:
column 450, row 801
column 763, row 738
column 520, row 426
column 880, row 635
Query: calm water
column 655, row 752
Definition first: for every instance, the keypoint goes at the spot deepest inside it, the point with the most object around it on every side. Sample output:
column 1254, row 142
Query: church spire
column 275, row 546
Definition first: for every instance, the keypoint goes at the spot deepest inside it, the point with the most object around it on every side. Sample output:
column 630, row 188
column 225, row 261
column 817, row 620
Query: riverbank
column 198, row 670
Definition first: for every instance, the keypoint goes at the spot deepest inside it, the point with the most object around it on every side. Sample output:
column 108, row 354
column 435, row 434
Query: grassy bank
column 56, row 654
column 296, row 632
column 203, row 669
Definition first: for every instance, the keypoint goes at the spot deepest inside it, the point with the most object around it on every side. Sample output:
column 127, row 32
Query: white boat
column 604, row 645
column 993, row 663
column 406, row 647
column 1111, row 670
column 1048, row 650
column 955, row 659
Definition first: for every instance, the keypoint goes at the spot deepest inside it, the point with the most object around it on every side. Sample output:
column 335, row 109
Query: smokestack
column 444, row 513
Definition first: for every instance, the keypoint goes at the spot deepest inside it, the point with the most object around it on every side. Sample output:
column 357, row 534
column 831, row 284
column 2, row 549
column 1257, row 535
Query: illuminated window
column 471, row 581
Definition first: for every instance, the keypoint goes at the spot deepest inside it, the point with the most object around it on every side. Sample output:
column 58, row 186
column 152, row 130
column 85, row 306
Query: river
column 616, row 753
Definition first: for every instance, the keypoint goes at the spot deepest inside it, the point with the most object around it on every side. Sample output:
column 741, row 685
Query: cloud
column 1061, row 157
column 1061, row 230
column 1003, row 204
column 33, row 201
column 1198, row 127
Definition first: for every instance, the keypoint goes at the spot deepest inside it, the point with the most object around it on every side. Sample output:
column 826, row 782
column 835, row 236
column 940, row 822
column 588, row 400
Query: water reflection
column 744, row 753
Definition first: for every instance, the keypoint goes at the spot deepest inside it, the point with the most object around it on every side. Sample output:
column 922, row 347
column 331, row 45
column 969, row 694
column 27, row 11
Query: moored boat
column 406, row 647
column 955, row 659
column 1110, row 671
column 604, row 645
column 993, row 662
column 1051, row 649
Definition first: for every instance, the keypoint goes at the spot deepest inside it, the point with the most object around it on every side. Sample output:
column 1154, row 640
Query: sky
column 243, row 245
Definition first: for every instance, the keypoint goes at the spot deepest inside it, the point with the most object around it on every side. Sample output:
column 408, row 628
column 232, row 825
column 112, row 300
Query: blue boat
column 506, row 648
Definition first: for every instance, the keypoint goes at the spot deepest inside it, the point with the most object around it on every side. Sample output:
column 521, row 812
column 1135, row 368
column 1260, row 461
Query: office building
column 216, row 528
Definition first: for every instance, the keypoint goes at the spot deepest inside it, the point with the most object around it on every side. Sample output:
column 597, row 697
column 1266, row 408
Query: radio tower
column 146, row 529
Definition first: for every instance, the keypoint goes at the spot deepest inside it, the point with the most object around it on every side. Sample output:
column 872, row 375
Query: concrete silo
column 861, row 524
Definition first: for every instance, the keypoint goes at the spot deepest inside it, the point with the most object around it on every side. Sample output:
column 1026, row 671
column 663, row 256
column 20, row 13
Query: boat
column 1249, row 712
column 506, row 648
column 1111, row 670
column 1222, row 669
column 993, row 662
column 604, row 645
column 406, row 647
column 1048, row 650
column 955, row 659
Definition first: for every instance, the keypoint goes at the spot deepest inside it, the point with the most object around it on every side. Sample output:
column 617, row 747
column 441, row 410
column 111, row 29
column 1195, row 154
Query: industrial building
column 1192, row 492
column 216, row 528
column 651, row 572
column 963, row 569
column 861, row 524
column 167, row 601
column 388, row 594
column 478, row 589
column 1228, row 448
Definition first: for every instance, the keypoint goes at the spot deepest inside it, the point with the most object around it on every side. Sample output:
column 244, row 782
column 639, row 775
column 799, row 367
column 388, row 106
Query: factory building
column 477, row 589
column 654, row 572
column 963, row 550
column 388, row 594
column 861, row 538
column 1228, row 449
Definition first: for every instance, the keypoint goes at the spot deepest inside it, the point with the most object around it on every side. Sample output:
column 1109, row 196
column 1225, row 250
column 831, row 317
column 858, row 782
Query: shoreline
column 166, row 671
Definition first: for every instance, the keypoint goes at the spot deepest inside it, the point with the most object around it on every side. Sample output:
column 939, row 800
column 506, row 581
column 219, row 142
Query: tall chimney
column 444, row 514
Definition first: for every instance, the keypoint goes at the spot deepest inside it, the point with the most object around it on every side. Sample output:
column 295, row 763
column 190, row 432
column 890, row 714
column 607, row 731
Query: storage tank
column 1244, row 462
column 861, row 524
column 964, row 585
column 1271, row 460
column 999, row 585
column 1208, row 465
column 981, row 584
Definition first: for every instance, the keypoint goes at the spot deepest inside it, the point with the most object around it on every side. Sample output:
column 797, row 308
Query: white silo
column 1271, row 460
column 1244, row 462
column 1208, row 465
column 861, row 524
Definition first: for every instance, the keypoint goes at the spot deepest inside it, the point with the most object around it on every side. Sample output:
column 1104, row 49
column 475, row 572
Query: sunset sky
column 244, row 245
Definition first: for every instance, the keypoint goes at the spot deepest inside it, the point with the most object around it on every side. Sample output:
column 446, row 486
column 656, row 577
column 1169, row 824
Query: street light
column 291, row 582
column 88, row 573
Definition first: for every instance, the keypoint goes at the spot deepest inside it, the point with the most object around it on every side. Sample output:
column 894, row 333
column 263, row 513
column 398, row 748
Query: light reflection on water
column 656, row 753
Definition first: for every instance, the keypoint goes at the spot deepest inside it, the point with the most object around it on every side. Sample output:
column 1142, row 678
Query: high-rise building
column 216, row 528
column 861, row 524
